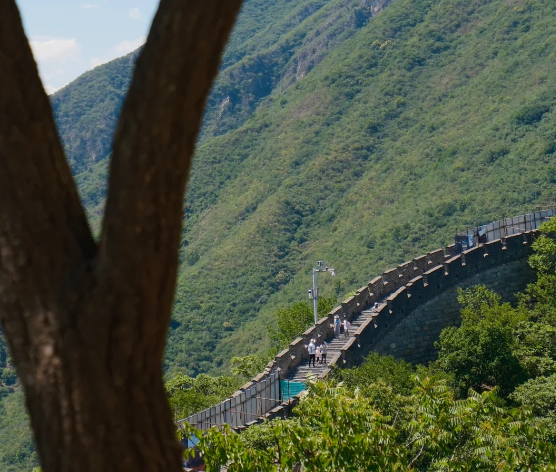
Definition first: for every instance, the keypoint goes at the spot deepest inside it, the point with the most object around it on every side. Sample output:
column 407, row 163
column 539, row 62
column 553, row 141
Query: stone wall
column 420, row 301
column 411, row 321
column 364, row 298
column 413, row 338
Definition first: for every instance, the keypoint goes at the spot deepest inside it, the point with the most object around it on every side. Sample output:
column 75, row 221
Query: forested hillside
column 337, row 133
column 405, row 127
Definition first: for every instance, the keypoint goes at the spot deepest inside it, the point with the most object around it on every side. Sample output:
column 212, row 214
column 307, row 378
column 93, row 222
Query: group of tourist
column 317, row 353
column 338, row 324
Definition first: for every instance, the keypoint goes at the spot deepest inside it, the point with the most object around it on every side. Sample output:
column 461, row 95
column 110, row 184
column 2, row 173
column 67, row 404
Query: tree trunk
column 86, row 323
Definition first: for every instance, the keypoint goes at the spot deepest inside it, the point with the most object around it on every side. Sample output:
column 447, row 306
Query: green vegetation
column 338, row 428
column 189, row 395
column 359, row 138
column 488, row 403
column 17, row 450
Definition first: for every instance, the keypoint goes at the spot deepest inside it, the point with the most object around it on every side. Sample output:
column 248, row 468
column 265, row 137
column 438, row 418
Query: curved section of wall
column 418, row 300
column 410, row 322
column 413, row 338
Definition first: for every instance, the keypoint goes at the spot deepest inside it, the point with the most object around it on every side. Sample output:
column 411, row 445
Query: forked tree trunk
column 86, row 323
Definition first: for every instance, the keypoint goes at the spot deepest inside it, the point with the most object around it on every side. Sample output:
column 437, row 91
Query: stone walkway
column 335, row 345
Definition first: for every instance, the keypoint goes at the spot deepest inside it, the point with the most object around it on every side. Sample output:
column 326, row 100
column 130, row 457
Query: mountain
column 357, row 132
column 334, row 132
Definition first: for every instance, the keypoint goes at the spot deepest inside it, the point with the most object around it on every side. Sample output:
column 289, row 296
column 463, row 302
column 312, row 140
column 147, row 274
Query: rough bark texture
column 87, row 323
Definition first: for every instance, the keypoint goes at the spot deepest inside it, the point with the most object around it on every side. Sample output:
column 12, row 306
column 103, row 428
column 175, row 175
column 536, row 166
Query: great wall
column 416, row 301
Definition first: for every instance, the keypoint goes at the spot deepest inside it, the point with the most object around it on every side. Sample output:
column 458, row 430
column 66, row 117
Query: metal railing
column 243, row 407
column 502, row 228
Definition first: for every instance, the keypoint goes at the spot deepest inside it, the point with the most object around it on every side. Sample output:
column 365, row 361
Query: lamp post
column 313, row 292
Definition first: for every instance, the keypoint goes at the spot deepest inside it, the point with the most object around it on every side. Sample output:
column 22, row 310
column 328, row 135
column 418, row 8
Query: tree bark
column 86, row 323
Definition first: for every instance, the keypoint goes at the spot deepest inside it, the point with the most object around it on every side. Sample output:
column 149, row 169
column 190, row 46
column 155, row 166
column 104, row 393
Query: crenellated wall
column 417, row 300
column 414, row 315
column 412, row 339
column 378, row 288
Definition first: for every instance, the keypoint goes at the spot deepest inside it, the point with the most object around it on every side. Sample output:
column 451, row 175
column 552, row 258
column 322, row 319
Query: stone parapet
column 421, row 300
column 495, row 263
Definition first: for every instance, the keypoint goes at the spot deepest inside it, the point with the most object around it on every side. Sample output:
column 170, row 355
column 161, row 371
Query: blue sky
column 70, row 37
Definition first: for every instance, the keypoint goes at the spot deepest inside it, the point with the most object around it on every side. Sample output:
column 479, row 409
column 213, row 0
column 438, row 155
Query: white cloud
column 90, row 6
column 50, row 89
column 121, row 49
column 52, row 73
column 135, row 14
column 55, row 50
column 126, row 46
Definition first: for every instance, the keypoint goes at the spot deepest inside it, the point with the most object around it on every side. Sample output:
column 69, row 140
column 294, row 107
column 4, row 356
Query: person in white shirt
column 318, row 354
column 346, row 327
column 312, row 351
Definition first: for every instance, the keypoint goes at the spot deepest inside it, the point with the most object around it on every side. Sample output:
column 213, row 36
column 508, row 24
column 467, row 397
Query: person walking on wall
column 323, row 348
column 318, row 354
column 336, row 326
column 312, row 351
column 347, row 325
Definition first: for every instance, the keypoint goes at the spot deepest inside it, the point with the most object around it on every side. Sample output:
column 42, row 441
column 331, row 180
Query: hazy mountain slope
column 274, row 43
column 87, row 110
column 280, row 55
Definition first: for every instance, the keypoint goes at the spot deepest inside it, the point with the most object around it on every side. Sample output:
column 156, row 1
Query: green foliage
column 261, row 437
column 339, row 429
column 531, row 114
column 538, row 394
column 397, row 374
column 189, row 395
column 539, row 300
column 293, row 321
column 479, row 303
column 477, row 300
column 9, row 377
column 535, row 347
column 544, row 259
column 248, row 366
column 479, row 356
column 17, row 451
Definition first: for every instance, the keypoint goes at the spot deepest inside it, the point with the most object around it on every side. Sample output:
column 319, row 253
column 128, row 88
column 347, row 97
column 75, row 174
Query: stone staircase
column 335, row 345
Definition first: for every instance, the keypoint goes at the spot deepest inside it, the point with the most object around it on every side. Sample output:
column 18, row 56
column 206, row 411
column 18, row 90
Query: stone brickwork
column 413, row 338
column 411, row 320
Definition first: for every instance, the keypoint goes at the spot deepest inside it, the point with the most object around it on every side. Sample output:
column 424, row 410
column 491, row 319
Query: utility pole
column 314, row 292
